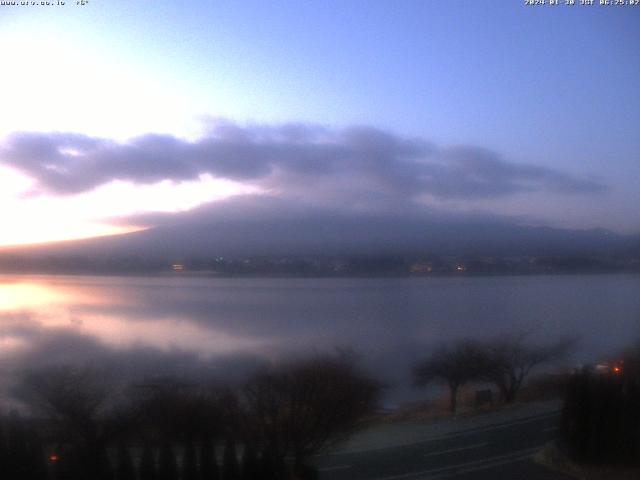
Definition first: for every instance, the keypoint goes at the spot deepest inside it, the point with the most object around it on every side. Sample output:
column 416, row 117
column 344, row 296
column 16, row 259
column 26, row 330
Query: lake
column 175, row 323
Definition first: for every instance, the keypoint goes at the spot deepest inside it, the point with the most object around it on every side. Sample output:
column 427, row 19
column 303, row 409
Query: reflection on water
column 104, row 309
column 391, row 321
column 18, row 296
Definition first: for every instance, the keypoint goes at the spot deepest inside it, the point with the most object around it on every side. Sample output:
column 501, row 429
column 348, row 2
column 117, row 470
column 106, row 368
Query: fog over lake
column 159, row 325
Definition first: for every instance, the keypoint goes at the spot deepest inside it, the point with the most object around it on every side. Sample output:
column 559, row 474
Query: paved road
column 499, row 451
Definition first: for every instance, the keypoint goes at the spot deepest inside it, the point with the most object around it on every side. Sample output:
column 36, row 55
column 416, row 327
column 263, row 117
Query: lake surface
column 170, row 323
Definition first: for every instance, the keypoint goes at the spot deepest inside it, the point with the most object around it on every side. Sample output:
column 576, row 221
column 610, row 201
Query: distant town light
column 54, row 458
column 177, row 267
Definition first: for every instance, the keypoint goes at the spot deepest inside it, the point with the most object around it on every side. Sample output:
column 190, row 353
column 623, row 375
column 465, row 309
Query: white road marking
column 459, row 449
column 471, row 431
column 504, row 425
column 484, row 466
column 474, row 465
column 331, row 469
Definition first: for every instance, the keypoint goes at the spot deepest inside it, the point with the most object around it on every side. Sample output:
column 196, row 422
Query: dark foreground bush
column 21, row 450
column 601, row 417
column 78, row 427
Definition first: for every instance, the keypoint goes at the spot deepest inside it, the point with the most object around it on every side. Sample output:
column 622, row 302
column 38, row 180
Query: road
column 501, row 450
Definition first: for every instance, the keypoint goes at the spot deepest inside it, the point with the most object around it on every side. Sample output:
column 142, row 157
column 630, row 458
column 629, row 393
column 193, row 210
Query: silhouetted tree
column 17, row 447
column 272, row 465
column 21, row 451
column 508, row 360
column 195, row 409
column 68, row 466
column 189, row 462
column 81, row 405
column 167, row 465
column 72, row 397
column 208, row 462
column 308, row 472
column 230, row 470
column 600, row 420
column 4, row 454
column 148, row 469
column 250, row 462
column 37, row 462
column 303, row 407
column 98, row 464
column 124, row 464
column 454, row 365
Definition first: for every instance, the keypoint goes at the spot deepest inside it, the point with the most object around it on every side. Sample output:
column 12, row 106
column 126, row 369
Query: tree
column 454, row 365
column 80, row 404
column 600, row 419
column 189, row 462
column 5, row 457
column 208, row 463
column 37, row 462
column 272, row 464
column 21, row 450
column 124, row 464
column 508, row 360
column 250, row 462
column 301, row 408
column 148, row 470
column 196, row 416
column 195, row 408
column 74, row 398
column 167, row 465
column 230, row 469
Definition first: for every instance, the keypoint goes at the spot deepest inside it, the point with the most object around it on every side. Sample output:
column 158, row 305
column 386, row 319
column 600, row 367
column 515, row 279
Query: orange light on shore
column 617, row 370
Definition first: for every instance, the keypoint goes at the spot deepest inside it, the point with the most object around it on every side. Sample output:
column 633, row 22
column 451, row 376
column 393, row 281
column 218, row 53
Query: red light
column 617, row 370
column 54, row 458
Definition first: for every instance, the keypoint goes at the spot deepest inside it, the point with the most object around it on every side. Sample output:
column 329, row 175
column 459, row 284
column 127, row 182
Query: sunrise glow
column 29, row 218
column 89, row 72
column 17, row 296
column 237, row 237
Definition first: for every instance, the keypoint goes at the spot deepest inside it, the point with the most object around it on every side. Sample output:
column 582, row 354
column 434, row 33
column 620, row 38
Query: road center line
column 459, row 449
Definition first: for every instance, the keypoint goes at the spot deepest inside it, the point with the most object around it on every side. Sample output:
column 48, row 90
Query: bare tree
column 73, row 397
column 208, row 463
column 195, row 409
column 148, row 468
column 125, row 469
column 21, row 449
column 454, row 365
column 302, row 408
column 81, row 404
column 508, row 360
column 230, row 468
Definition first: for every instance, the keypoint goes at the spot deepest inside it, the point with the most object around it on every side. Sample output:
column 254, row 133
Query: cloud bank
column 360, row 165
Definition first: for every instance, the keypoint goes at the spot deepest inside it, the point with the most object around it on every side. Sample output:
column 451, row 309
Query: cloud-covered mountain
column 319, row 191
column 257, row 225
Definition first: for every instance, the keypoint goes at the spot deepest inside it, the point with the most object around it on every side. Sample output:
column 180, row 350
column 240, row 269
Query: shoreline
column 211, row 275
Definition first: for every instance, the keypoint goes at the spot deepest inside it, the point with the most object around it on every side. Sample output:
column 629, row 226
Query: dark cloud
column 477, row 172
column 360, row 166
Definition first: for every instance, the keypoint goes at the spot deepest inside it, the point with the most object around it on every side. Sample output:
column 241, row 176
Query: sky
column 118, row 111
